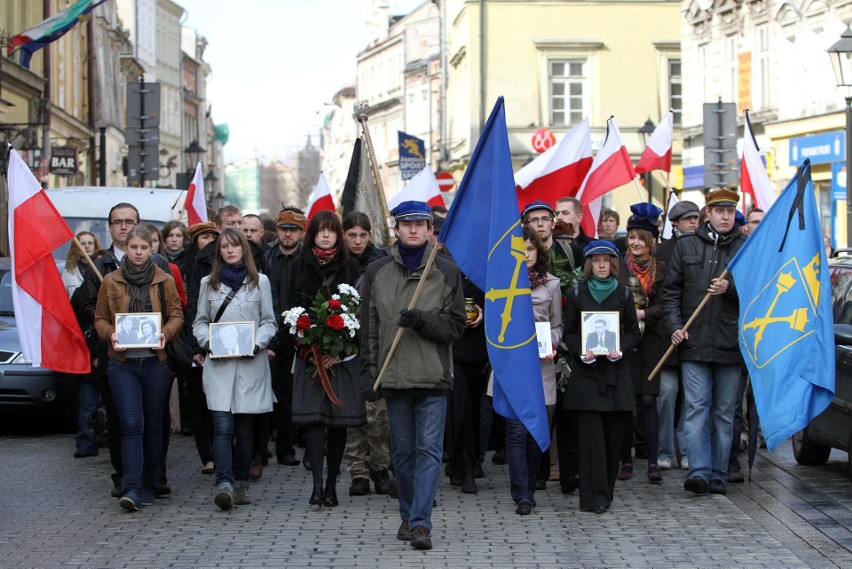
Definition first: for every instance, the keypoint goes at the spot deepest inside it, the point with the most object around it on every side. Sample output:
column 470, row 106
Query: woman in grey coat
column 236, row 388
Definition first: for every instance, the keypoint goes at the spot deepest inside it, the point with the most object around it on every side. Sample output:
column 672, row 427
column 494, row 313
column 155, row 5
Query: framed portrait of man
column 600, row 332
column 138, row 329
column 232, row 339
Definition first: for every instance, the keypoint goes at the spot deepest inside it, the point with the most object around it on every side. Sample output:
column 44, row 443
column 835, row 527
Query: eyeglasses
column 538, row 220
column 120, row 222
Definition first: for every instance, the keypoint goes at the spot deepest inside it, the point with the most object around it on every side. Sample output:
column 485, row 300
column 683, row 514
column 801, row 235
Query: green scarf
column 602, row 288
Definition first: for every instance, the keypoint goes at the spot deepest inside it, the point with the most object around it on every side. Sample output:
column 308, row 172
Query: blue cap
column 537, row 205
column 739, row 219
column 645, row 216
column 412, row 211
column 600, row 247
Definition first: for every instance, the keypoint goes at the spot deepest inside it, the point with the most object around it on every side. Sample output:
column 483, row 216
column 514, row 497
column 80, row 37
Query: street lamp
column 210, row 187
column 193, row 152
column 841, row 61
column 645, row 131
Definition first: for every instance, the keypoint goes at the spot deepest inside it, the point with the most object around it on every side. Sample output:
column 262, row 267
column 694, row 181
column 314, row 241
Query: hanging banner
column 412, row 155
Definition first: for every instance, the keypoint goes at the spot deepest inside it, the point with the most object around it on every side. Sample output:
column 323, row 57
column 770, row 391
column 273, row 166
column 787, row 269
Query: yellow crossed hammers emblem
column 796, row 320
column 517, row 251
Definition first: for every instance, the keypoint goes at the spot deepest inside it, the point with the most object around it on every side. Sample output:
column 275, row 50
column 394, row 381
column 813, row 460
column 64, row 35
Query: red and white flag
column 753, row 177
column 320, row 199
column 557, row 172
column 195, row 204
column 668, row 227
column 421, row 188
column 611, row 169
column 658, row 152
column 47, row 328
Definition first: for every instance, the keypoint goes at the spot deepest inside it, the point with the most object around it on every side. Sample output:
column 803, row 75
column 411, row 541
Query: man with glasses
column 121, row 219
column 753, row 219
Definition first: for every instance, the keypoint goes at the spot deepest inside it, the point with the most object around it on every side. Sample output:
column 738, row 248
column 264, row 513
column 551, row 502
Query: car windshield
column 6, row 294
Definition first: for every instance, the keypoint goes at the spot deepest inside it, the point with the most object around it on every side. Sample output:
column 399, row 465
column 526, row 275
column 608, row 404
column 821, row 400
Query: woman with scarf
column 175, row 243
column 522, row 452
column 237, row 389
column 600, row 390
column 644, row 275
column 139, row 377
column 323, row 264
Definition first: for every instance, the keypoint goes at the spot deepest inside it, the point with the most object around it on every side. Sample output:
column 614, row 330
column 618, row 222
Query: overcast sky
column 275, row 62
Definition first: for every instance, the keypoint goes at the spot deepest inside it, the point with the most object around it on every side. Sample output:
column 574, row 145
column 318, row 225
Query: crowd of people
column 613, row 304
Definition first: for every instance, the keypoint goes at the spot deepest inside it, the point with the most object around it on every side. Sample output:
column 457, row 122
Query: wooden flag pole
column 667, row 194
column 638, row 188
column 87, row 258
column 411, row 304
column 685, row 328
column 361, row 113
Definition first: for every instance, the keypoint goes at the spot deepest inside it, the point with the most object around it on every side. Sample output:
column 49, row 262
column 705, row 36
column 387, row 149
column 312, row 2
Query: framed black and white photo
column 137, row 329
column 600, row 332
column 232, row 339
column 543, row 339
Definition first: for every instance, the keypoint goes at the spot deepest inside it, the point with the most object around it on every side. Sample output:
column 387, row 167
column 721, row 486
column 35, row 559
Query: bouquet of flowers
column 327, row 327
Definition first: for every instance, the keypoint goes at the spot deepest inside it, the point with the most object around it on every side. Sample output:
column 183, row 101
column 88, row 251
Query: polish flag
column 753, row 177
column 321, row 198
column 43, row 312
column 196, row 206
column 557, row 172
column 611, row 169
column 421, row 188
column 668, row 226
column 658, row 152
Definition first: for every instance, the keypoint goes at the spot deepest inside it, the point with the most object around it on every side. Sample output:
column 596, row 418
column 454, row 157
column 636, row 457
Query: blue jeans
column 227, row 426
column 710, row 392
column 140, row 388
column 417, row 438
column 88, row 395
column 733, row 460
column 524, row 458
column 666, row 405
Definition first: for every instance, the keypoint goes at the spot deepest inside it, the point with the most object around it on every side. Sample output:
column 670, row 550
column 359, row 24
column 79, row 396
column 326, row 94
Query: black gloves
column 411, row 319
column 253, row 354
column 369, row 394
column 207, row 350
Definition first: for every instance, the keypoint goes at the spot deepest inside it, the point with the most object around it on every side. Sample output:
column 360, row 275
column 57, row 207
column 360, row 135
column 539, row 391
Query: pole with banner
column 361, row 113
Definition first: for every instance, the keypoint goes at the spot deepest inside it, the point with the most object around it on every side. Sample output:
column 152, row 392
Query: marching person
column 237, row 389
column 419, row 377
column 600, row 390
column 140, row 378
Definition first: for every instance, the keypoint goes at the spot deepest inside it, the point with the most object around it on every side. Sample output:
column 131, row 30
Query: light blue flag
column 483, row 233
column 786, row 331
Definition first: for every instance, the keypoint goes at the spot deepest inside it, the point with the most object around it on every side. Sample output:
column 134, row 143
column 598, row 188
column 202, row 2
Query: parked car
column 833, row 427
column 23, row 387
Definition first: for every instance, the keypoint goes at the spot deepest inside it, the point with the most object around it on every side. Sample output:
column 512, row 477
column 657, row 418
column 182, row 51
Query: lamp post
column 841, row 61
column 210, row 187
column 645, row 131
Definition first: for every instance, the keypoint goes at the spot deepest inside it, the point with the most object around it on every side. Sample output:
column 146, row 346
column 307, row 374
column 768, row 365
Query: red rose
column 303, row 323
column 335, row 322
column 334, row 304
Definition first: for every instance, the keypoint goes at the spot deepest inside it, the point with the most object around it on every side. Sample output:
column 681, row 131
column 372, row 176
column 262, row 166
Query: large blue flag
column 786, row 331
column 483, row 233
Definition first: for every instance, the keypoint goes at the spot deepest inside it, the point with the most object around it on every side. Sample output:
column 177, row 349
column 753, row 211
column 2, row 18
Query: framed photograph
column 600, row 331
column 543, row 339
column 138, row 329
column 231, row 339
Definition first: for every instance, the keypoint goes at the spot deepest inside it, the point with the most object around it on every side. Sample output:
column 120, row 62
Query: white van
column 85, row 208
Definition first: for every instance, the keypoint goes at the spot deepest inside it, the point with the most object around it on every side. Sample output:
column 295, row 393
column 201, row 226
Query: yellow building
column 556, row 63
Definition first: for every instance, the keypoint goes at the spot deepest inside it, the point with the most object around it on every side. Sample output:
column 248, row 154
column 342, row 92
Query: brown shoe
column 421, row 538
column 255, row 471
column 403, row 533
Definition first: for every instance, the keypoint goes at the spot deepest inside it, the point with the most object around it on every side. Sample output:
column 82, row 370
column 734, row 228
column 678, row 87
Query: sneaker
column 241, row 497
column 665, row 463
column 404, row 532
column 696, row 485
column 421, row 538
column 718, row 487
column 359, row 487
column 130, row 502
column 684, row 463
column 224, row 496
column 148, row 496
column 524, row 508
column 625, row 472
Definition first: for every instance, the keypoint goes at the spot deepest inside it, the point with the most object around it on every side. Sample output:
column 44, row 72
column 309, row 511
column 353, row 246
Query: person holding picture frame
column 600, row 390
column 139, row 377
column 238, row 388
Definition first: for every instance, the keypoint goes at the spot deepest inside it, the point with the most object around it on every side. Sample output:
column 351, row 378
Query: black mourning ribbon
column 803, row 177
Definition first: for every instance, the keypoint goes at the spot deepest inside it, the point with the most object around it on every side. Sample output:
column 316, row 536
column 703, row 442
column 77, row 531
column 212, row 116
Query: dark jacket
column 309, row 277
column 471, row 348
column 603, row 385
column 696, row 260
column 202, row 265
column 370, row 254
column 279, row 269
column 423, row 359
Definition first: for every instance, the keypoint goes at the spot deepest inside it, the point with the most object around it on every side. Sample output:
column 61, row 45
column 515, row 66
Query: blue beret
column 412, row 211
column 537, row 205
column 739, row 219
column 600, row 247
column 645, row 216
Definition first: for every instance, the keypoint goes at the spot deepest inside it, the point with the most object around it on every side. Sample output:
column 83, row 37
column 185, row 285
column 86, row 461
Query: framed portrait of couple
column 600, row 332
column 232, row 339
column 138, row 329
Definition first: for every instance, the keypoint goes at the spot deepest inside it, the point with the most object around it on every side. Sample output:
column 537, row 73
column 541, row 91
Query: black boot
column 468, row 484
column 317, row 496
column 380, row 480
column 330, row 496
column 455, row 473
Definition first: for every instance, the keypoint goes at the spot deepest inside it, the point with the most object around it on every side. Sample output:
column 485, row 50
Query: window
column 704, row 76
column 763, row 66
column 732, row 63
column 568, row 91
column 675, row 91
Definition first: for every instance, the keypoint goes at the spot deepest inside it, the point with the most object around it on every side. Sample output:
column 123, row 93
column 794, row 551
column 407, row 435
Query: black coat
column 696, row 260
column 279, row 269
column 309, row 277
column 603, row 385
column 202, row 266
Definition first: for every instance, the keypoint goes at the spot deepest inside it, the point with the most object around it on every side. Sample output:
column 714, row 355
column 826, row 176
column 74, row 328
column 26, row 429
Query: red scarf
column 643, row 269
column 324, row 256
column 536, row 279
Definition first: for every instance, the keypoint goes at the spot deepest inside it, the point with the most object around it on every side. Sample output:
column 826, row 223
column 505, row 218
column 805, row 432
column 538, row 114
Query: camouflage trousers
column 367, row 446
